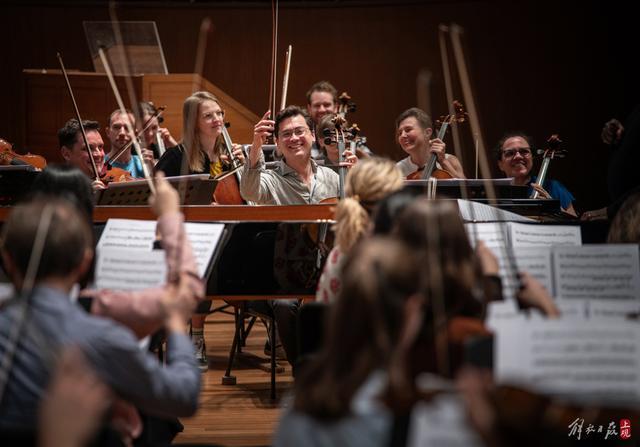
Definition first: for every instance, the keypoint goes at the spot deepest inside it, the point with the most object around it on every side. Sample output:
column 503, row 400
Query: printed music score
column 126, row 245
column 578, row 358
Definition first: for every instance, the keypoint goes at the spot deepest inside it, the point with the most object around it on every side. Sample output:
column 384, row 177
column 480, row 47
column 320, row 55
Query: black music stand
column 475, row 188
column 194, row 190
column 15, row 182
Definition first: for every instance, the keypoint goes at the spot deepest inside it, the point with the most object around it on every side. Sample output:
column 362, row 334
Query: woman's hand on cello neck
column 238, row 155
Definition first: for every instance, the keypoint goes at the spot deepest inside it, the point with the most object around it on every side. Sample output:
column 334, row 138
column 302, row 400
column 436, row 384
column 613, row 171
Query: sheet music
column 610, row 309
column 204, row 238
column 604, row 271
column 523, row 235
column 479, row 212
column 441, row 422
column 537, row 262
column 495, row 237
column 498, row 311
column 573, row 357
column 120, row 269
column 130, row 234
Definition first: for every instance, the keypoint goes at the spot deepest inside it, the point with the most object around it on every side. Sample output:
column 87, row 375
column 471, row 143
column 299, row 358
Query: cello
column 429, row 170
column 552, row 151
column 227, row 190
column 358, row 142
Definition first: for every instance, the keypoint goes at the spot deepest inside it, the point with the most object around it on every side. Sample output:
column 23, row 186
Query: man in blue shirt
column 119, row 137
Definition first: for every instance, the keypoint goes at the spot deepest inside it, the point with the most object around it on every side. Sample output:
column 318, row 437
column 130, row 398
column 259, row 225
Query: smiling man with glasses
column 514, row 153
column 297, row 179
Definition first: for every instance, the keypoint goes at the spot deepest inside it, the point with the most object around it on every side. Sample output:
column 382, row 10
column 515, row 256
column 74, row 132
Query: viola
column 7, row 155
column 429, row 170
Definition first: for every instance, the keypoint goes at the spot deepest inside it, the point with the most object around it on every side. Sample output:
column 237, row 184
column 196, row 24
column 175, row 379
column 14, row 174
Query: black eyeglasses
column 524, row 152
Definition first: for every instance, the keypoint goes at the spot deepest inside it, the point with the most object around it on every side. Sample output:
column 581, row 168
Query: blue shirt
column 54, row 322
column 557, row 191
column 134, row 166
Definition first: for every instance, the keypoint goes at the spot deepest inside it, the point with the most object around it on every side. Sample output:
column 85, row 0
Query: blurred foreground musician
column 55, row 322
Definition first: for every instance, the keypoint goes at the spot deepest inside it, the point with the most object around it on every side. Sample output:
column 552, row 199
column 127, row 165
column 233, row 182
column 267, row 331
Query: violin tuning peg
column 328, row 141
column 326, row 132
column 227, row 125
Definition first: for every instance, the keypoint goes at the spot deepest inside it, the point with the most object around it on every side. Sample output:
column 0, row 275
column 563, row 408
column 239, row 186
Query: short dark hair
column 68, row 134
column 322, row 86
column 149, row 108
column 423, row 119
column 326, row 122
column 290, row 112
column 497, row 150
column 68, row 182
column 67, row 239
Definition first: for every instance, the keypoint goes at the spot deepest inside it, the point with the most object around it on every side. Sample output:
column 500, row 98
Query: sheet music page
column 573, row 357
column 495, row 237
column 610, row 309
column 133, row 234
column 603, row 271
column 500, row 310
column 524, row 235
column 121, row 269
column 128, row 234
column 537, row 262
column 479, row 212
column 441, row 422
column 204, row 238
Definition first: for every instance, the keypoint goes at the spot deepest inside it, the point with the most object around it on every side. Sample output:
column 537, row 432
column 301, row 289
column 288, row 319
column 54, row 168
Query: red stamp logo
column 625, row 429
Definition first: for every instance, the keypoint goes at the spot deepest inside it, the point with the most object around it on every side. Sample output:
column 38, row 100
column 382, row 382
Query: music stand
column 475, row 188
column 193, row 189
column 15, row 182
column 140, row 42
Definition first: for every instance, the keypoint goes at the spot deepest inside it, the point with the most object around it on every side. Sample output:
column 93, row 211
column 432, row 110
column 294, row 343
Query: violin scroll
column 553, row 148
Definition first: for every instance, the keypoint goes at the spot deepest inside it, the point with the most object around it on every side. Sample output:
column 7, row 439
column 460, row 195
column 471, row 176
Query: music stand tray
column 194, row 190
column 475, row 188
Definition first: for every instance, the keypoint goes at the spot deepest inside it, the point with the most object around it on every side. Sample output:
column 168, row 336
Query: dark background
column 543, row 67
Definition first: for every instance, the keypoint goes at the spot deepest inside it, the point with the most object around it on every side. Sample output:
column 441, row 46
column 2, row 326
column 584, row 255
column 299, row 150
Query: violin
column 111, row 174
column 7, row 156
column 552, row 151
column 429, row 170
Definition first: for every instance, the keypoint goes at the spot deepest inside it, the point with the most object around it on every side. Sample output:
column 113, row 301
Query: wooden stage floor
column 241, row 414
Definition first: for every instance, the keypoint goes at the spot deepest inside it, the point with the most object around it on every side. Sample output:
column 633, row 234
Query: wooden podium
column 47, row 105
